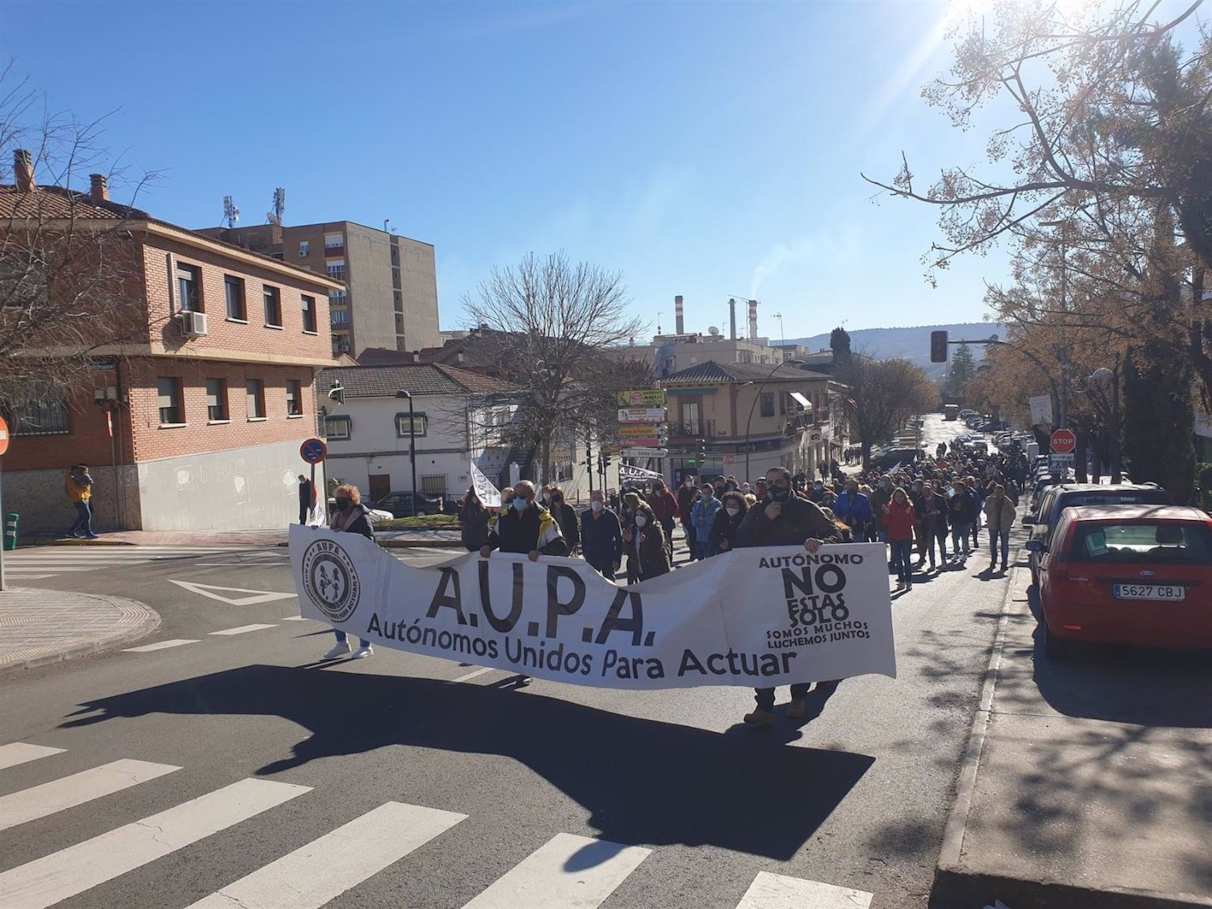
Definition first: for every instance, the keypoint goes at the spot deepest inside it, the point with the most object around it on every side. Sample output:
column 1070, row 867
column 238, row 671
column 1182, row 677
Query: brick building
column 390, row 293
column 195, row 426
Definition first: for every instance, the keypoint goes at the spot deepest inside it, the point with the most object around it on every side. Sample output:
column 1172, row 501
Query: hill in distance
column 912, row 343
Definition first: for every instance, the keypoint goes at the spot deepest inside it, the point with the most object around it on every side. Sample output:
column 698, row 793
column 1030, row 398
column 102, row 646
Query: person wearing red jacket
column 665, row 507
column 899, row 519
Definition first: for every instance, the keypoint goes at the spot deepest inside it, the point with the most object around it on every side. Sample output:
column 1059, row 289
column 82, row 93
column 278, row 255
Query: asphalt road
column 855, row 797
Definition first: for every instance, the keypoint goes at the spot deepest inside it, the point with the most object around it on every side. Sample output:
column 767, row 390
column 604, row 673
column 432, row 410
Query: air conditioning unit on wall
column 193, row 324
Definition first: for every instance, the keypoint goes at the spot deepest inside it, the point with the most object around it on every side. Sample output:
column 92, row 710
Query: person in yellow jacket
column 78, row 484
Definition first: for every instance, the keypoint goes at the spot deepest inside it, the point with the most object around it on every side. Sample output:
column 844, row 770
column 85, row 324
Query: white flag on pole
column 489, row 495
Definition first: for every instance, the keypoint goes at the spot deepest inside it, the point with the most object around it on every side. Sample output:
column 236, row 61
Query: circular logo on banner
column 330, row 579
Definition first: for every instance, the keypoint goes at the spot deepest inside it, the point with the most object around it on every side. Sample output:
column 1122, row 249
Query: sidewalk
column 167, row 538
column 1086, row 782
column 45, row 626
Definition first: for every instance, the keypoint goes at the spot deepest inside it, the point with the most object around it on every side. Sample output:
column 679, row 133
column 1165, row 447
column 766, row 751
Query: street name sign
column 642, row 415
column 645, row 452
column 1063, row 441
column 1059, row 463
column 642, row 397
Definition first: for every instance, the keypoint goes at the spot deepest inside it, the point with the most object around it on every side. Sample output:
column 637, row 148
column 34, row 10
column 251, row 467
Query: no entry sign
column 1063, row 441
column 313, row 451
column 3, row 436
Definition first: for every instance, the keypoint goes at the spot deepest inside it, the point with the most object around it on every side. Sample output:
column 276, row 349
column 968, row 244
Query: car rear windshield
column 1161, row 543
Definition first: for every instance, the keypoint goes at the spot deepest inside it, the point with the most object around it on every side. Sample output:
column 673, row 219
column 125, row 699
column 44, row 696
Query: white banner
column 750, row 617
column 489, row 495
column 629, row 473
column 1041, row 410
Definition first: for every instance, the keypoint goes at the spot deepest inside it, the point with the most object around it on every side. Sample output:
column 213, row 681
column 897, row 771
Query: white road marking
column 323, row 869
column 17, row 569
column 776, row 891
column 15, row 753
column 297, row 618
column 243, row 629
column 70, row 791
column 63, row 874
column 567, row 872
column 161, row 645
column 472, row 675
column 209, row 590
column 28, row 577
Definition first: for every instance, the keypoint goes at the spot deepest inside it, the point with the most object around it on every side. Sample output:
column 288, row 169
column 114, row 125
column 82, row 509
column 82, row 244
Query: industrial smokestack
column 753, row 320
column 23, row 171
column 677, row 314
column 732, row 318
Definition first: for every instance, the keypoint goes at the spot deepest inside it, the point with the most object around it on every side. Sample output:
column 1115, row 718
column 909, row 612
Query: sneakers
column 760, row 717
column 797, row 709
column 91, row 536
column 363, row 652
column 339, row 649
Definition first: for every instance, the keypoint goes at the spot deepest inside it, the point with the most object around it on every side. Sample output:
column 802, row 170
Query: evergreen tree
column 963, row 370
column 1159, row 421
column 839, row 343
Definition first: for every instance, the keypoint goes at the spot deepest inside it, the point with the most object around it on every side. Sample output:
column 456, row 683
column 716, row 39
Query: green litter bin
column 10, row 530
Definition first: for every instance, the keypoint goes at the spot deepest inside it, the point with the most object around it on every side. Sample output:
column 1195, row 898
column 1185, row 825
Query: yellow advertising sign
column 642, row 397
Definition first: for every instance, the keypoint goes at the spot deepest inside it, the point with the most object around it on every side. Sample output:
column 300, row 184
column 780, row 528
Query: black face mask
column 780, row 493
column 344, row 504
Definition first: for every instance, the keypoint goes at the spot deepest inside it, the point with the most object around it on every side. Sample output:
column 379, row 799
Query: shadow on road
column 643, row 781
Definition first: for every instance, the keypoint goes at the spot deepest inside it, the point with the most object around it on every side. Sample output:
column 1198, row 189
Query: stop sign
column 1063, row 441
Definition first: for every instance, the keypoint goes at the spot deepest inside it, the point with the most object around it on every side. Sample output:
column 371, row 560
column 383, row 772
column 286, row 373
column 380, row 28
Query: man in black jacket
column 567, row 516
column 601, row 537
column 527, row 527
column 785, row 520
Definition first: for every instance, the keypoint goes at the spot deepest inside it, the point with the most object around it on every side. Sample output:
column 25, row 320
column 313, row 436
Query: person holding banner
column 786, row 520
column 601, row 537
column 527, row 527
column 351, row 516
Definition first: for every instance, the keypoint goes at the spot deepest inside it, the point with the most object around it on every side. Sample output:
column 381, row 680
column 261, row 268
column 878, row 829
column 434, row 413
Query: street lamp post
column 412, row 447
column 757, row 397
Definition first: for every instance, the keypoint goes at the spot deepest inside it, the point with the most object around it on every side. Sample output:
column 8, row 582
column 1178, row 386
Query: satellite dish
column 713, row 331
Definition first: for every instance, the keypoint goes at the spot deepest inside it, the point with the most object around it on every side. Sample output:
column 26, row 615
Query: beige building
column 390, row 298
column 742, row 419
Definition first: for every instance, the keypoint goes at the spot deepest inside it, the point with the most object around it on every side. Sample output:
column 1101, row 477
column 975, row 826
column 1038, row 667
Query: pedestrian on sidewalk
column 935, row 508
column 959, row 509
column 899, row 520
column 305, row 498
column 78, row 484
column 351, row 516
column 999, row 513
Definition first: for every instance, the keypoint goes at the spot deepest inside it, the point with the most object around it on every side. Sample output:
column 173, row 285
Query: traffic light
column 938, row 347
column 605, row 461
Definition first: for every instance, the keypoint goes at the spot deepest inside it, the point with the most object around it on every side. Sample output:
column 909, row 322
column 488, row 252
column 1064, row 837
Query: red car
column 1127, row 574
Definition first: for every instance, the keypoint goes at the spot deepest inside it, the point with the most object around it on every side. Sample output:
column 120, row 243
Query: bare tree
column 553, row 322
column 71, row 289
column 883, row 394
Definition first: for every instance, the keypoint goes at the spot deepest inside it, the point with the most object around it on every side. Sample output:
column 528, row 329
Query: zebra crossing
column 567, row 871
column 39, row 563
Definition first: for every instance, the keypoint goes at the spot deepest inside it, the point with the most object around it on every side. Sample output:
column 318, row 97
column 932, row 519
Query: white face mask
column 733, row 510
column 641, row 520
column 595, row 505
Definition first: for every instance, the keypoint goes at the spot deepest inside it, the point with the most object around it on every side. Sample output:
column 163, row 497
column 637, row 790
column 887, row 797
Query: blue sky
column 706, row 149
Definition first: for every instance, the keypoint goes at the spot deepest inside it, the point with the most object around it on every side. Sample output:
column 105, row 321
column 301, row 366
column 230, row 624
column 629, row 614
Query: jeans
column 994, row 535
column 959, row 539
column 901, row 550
column 938, row 536
column 700, row 549
column 342, row 638
column 691, row 540
column 84, row 520
column 765, row 696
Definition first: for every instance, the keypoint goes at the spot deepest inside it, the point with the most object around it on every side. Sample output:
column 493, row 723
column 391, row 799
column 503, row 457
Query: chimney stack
column 732, row 318
column 23, row 170
column 753, row 320
column 677, row 312
column 98, row 188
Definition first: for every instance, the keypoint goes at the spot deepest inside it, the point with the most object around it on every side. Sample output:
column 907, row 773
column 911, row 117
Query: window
column 334, row 241
column 341, row 344
column 338, row 429
column 304, row 249
column 294, row 398
column 171, row 411
column 335, row 269
column 338, row 316
column 434, row 484
column 397, row 301
column 273, row 306
column 395, row 278
column 767, row 404
column 216, row 400
column 48, row 416
column 255, row 390
column 233, row 289
column 336, row 297
column 420, row 424
column 1169, row 543
column 691, row 422
column 309, row 314
column 399, row 323
column 395, row 254
column 189, row 288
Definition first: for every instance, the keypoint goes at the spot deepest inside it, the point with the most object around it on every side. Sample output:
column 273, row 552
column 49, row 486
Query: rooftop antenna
column 231, row 212
column 275, row 216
